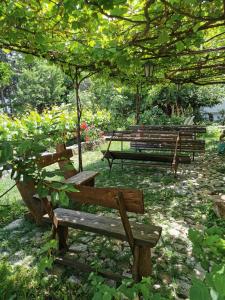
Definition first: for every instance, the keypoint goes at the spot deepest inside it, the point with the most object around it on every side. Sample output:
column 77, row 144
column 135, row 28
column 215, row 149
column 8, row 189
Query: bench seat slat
column 144, row 235
column 82, row 177
column 145, row 156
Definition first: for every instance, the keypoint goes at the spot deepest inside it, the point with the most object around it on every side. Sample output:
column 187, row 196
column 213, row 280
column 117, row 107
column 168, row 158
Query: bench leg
column 142, row 266
column 145, row 264
column 90, row 182
column 174, row 168
column 62, row 234
column 110, row 165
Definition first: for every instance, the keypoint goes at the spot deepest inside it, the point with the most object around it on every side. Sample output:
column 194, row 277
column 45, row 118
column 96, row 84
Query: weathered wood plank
column 144, row 235
column 27, row 190
column 145, row 265
column 125, row 221
column 188, row 145
column 48, row 159
column 66, row 166
column 82, row 177
column 156, row 157
column 106, row 197
column 193, row 128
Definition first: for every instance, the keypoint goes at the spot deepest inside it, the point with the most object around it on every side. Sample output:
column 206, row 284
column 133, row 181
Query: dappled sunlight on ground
column 175, row 204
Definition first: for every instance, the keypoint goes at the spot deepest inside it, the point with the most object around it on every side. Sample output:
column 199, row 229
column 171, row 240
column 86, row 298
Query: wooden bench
column 160, row 141
column 189, row 142
column 141, row 237
column 62, row 157
column 167, row 141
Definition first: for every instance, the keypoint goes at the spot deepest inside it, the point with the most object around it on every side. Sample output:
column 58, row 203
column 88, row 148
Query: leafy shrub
column 156, row 116
column 208, row 246
column 127, row 290
column 22, row 140
column 212, row 287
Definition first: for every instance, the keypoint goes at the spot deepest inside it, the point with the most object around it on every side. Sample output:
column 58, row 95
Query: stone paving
column 175, row 204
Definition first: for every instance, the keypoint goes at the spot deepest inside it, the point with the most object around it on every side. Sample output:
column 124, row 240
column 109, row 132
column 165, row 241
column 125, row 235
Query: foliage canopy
column 120, row 35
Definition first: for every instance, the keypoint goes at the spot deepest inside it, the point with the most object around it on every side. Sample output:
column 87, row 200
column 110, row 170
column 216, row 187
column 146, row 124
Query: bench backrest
column 28, row 190
column 107, row 197
column 141, row 135
column 181, row 128
column 48, row 159
column 65, row 165
column 167, row 140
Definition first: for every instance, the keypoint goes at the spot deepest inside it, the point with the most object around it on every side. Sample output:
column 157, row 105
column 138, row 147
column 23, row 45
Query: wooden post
column 142, row 266
column 175, row 158
column 66, row 166
column 125, row 220
column 62, row 233
column 78, row 104
column 135, row 268
column 107, row 150
column 27, row 190
column 145, row 265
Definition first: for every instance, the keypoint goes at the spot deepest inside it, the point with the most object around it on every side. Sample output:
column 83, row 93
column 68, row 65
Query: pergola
column 184, row 40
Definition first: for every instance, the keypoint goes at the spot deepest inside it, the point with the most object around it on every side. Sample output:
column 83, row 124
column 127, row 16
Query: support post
column 78, row 104
column 27, row 190
column 125, row 220
column 142, row 266
column 62, row 234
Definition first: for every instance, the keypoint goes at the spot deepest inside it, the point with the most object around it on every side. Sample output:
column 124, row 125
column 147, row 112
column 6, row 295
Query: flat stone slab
column 78, row 247
column 14, row 225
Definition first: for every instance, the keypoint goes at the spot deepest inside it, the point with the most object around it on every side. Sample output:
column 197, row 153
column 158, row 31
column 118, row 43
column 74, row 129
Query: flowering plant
column 90, row 133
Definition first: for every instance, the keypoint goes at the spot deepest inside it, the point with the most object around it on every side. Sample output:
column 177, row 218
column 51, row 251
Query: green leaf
column 63, row 199
column 29, row 58
column 196, row 27
column 6, row 152
column 55, row 198
column 163, row 36
column 199, row 291
column 71, row 188
column 180, row 46
column 119, row 11
column 45, row 263
column 42, row 191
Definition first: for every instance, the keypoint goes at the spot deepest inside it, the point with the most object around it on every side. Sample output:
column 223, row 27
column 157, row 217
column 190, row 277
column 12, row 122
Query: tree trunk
column 138, row 104
column 3, row 103
column 78, row 104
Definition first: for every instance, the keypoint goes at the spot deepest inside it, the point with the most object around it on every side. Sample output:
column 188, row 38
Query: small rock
column 4, row 254
column 78, row 247
column 166, row 279
column 74, row 280
column 199, row 271
column 174, row 232
column 111, row 282
column 86, row 239
column 183, row 288
column 127, row 274
column 13, row 225
column 57, row 270
column 26, row 261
